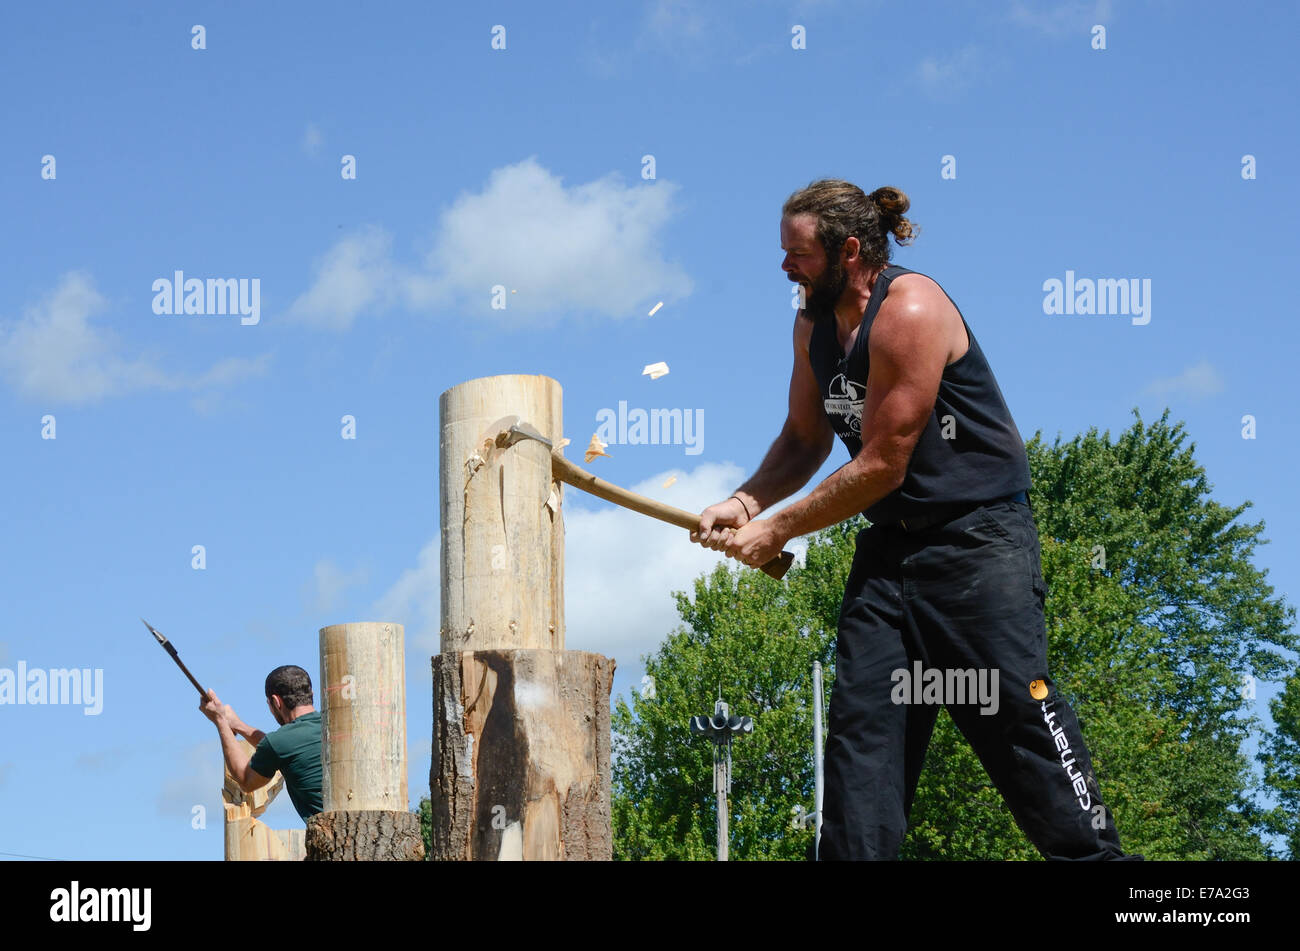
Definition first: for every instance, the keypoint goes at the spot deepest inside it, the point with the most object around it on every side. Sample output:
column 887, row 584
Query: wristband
column 743, row 506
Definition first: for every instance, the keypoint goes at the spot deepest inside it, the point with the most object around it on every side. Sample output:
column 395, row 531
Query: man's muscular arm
column 798, row 452
column 909, row 349
column 237, row 761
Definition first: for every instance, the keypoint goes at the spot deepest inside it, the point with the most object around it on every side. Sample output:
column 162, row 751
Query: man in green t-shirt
column 294, row 749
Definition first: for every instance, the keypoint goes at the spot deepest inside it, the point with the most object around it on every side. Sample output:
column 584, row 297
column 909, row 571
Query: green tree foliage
column 1156, row 618
column 426, row 824
column 1281, row 758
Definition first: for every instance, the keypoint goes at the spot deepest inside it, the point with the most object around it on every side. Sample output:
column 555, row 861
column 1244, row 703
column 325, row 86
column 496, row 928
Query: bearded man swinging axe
column 948, row 575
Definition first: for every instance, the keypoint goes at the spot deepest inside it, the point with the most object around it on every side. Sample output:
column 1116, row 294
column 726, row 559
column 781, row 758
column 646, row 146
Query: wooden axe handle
column 567, row 472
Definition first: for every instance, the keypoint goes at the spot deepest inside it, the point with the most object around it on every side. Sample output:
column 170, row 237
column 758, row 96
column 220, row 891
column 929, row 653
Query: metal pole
column 817, row 754
column 720, row 781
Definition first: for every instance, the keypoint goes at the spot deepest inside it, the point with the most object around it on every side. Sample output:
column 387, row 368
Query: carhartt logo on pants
column 1063, row 744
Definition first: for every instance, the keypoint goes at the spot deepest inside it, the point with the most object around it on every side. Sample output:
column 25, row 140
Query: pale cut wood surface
column 502, row 578
column 363, row 717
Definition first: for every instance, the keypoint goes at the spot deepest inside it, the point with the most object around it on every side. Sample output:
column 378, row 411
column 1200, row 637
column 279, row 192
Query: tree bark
column 374, row 835
column 521, row 755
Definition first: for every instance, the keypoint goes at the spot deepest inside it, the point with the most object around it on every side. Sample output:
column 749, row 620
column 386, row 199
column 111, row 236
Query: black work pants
column 966, row 595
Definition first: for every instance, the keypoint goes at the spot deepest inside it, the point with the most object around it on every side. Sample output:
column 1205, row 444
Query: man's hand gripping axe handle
column 507, row 431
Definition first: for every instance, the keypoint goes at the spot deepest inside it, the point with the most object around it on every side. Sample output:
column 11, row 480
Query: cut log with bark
column 372, row 835
column 521, row 755
column 521, row 737
column 365, row 813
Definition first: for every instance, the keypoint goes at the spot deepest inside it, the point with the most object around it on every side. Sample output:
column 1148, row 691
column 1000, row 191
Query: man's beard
column 825, row 291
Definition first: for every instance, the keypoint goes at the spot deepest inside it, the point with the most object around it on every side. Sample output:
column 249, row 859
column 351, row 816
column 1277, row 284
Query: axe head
column 520, row 431
column 507, row 431
column 161, row 640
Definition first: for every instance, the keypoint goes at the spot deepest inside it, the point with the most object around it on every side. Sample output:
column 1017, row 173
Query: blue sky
column 523, row 167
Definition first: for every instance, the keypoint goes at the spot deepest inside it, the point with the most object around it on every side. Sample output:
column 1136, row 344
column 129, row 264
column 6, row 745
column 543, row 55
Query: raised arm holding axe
column 227, row 722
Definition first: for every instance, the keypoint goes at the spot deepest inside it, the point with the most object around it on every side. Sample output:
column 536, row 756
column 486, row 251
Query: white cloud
column 414, row 601
column 669, row 22
column 230, row 370
column 312, row 139
column 328, row 583
column 621, row 568
column 590, row 247
column 557, row 250
column 57, row 353
column 1059, row 19
column 356, row 275
column 944, row 76
column 1195, row 382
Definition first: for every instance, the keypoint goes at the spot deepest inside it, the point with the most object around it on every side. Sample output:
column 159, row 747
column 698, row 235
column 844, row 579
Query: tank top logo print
column 843, row 405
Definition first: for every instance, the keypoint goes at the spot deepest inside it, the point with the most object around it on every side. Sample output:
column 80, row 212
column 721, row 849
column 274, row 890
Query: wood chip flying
column 669, row 481
column 596, row 448
column 655, row 370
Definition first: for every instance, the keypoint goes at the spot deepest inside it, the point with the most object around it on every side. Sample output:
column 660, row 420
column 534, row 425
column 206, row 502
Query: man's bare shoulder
column 909, row 293
column 916, row 308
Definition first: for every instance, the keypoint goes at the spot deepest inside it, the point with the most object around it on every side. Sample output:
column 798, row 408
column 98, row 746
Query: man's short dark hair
column 293, row 684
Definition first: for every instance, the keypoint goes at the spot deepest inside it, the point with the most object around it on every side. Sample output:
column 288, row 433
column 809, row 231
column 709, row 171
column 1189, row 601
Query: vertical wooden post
column 502, row 543
column 363, row 748
column 521, row 741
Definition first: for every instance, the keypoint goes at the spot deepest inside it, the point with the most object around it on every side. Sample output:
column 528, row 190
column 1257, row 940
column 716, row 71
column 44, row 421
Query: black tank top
column 983, row 456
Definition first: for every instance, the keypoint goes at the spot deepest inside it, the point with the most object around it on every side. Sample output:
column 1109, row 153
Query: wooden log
column 521, row 755
column 251, row 840
column 294, row 842
column 257, row 800
column 247, row 839
column 363, row 717
column 502, row 528
column 376, row 835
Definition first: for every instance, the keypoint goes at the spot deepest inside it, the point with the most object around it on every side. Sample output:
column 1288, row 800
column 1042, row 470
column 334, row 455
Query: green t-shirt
column 294, row 750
